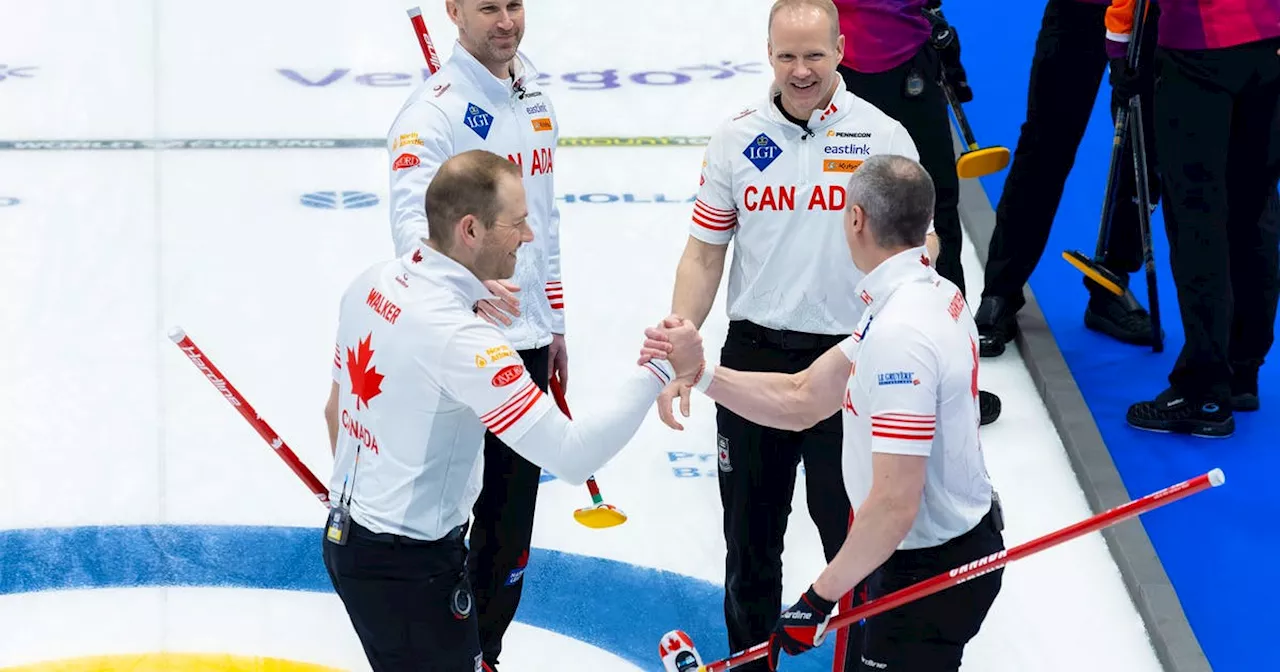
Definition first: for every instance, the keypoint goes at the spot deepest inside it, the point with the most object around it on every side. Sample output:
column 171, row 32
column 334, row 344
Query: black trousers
column 929, row 634
column 1066, row 72
column 398, row 593
column 1216, row 115
column 502, row 527
column 757, row 481
column 925, row 118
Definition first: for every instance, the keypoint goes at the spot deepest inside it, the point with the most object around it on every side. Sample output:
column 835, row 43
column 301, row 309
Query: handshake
column 676, row 340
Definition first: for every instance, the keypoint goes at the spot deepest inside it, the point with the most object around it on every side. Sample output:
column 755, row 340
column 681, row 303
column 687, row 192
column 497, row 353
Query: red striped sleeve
column 713, row 219
column 337, row 356
column 555, row 295
column 903, row 426
column 509, row 413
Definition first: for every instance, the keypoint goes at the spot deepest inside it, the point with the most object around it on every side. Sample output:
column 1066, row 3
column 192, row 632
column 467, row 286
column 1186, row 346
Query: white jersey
column 463, row 107
column 913, row 390
column 421, row 377
column 778, row 192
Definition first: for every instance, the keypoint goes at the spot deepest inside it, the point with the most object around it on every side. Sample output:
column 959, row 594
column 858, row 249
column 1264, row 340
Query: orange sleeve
column 1119, row 20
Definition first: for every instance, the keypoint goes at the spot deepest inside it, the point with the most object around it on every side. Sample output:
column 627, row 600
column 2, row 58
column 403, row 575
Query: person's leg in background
column 910, row 93
column 503, row 527
column 1193, row 108
column 1124, row 318
column 1066, row 72
column 822, row 448
column 1254, row 229
column 757, row 471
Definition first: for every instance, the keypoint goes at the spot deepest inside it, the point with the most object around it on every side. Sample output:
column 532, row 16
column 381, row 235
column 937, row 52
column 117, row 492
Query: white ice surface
column 106, row 423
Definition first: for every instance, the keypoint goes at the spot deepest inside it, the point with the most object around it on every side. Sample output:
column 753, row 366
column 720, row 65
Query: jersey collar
column 841, row 102
column 439, row 269
column 907, row 266
column 493, row 87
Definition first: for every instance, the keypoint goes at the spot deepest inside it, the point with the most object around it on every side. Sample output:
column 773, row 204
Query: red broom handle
column 995, row 561
column 233, row 397
column 424, row 39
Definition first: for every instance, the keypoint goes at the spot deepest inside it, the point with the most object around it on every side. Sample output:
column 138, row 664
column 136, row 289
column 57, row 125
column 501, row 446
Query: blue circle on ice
column 618, row 607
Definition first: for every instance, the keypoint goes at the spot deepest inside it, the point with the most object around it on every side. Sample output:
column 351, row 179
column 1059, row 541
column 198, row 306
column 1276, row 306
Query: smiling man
column 905, row 386
column 410, row 403
column 773, row 184
column 486, row 97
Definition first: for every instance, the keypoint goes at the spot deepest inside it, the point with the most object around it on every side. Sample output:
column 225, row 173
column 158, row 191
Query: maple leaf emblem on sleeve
column 366, row 382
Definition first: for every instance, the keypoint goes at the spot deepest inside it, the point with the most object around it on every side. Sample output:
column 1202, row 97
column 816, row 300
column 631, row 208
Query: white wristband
column 704, row 382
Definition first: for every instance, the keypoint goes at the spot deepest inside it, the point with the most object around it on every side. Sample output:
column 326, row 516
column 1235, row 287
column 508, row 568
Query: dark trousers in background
column 502, row 527
column 398, row 593
column 1216, row 115
column 925, row 118
column 757, row 482
column 1066, row 73
column 929, row 635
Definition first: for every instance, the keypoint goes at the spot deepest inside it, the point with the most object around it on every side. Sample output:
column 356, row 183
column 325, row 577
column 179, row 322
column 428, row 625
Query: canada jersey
column 464, row 107
column 778, row 193
column 420, row 378
column 913, row 390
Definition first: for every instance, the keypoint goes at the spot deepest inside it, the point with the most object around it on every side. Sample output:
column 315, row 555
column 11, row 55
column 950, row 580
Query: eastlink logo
column 851, row 150
column 540, row 108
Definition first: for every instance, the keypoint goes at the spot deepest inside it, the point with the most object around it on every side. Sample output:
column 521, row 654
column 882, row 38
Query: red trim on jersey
column 906, row 426
column 714, row 219
column 555, row 294
column 509, row 413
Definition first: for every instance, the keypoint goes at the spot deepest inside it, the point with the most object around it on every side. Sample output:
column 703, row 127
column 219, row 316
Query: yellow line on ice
column 171, row 662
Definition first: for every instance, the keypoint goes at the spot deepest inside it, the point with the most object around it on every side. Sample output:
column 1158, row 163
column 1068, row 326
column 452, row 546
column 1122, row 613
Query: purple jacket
column 880, row 35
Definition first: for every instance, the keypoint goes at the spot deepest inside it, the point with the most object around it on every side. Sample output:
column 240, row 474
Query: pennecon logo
column 7, row 201
column 339, row 200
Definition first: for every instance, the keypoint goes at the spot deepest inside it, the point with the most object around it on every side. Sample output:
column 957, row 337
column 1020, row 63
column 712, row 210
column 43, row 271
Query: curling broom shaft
column 233, row 397
column 995, row 561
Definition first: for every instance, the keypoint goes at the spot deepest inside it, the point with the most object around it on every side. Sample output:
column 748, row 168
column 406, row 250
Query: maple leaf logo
column 417, row 256
column 366, row 382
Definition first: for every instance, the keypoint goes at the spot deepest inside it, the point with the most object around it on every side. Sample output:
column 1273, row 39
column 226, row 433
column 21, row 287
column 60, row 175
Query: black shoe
column 1120, row 317
column 988, row 407
column 1244, row 388
column 1173, row 412
column 997, row 325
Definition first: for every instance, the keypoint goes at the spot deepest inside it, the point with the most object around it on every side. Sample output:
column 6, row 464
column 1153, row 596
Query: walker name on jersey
column 584, row 80
column 383, row 306
column 359, row 432
column 820, row 197
column 697, row 465
column 540, row 161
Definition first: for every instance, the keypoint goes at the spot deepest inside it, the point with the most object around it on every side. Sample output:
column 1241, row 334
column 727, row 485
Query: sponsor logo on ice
column 334, row 200
column 8, row 201
column 21, row 72
column 602, row 79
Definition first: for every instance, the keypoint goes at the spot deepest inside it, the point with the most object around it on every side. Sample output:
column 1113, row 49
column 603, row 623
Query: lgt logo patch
column 722, row 449
column 762, row 151
column 478, row 120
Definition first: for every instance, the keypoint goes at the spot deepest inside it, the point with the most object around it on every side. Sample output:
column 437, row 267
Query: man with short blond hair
column 773, row 186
